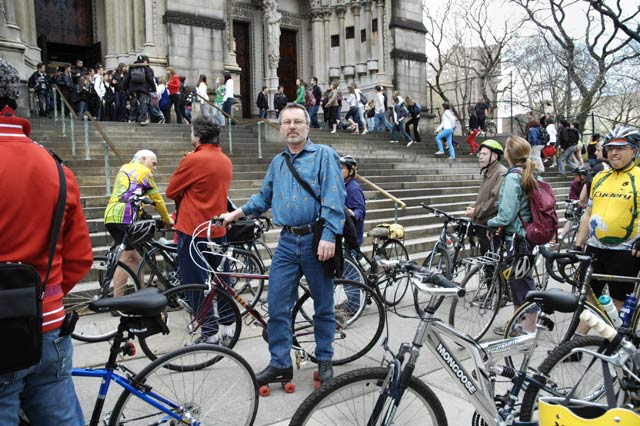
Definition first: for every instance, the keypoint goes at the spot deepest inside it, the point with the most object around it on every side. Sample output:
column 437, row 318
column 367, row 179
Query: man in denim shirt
column 296, row 211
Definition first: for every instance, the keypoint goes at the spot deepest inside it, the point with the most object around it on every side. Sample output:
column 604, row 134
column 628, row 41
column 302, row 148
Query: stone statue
column 273, row 18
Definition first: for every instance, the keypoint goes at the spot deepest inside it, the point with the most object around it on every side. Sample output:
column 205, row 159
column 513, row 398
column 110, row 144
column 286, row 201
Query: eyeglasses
column 297, row 123
column 618, row 148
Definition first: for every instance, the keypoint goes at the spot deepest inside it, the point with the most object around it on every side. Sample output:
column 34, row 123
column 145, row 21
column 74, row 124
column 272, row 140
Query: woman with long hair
column 201, row 90
column 229, row 98
column 173, row 86
column 218, row 101
column 353, row 115
column 120, row 112
column 445, row 131
column 513, row 208
column 332, row 105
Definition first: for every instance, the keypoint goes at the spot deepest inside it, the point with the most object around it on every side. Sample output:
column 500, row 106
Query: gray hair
column 292, row 105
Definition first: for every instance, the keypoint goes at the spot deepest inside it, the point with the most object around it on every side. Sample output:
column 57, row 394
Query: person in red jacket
column 173, row 86
column 29, row 185
column 200, row 187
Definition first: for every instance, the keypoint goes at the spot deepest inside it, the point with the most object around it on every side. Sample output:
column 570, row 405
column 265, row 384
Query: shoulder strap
column 302, row 183
column 57, row 221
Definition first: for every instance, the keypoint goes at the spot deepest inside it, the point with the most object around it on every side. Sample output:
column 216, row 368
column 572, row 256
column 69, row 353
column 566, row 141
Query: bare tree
column 437, row 24
column 603, row 46
column 630, row 24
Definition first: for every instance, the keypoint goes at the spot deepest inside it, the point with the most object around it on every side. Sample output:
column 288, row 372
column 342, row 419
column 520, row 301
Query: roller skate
column 271, row 374
column 322, row 374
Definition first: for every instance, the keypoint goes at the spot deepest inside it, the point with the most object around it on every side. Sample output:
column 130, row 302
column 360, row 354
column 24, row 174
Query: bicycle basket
column 146, row 326
column 581, row 413
column 243, row 231
column 386, row 230
column 141, row 231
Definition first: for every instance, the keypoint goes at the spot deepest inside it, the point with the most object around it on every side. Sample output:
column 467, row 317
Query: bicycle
column 368, row 270
column 158, row 395
column 567, row 324
column 220, row 299
column 393, row 395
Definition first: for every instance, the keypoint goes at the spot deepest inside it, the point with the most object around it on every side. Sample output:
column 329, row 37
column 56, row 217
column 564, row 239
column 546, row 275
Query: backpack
column 417, row 108
column 363, row 99
column 163, row 103
column 543, row 135
column 138, row 75
column 309, row 99
column 544, row 219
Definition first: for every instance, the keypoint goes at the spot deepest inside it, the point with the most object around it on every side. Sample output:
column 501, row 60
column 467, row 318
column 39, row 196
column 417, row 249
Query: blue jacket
column 356, row 202
column 511, row 202
column 534, row 137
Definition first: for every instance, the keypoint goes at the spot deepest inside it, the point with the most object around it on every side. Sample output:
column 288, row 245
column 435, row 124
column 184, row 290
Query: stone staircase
column 414, row 175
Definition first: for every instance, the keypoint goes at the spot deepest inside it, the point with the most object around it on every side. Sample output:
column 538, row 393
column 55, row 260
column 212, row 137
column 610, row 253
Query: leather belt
column 299, row 230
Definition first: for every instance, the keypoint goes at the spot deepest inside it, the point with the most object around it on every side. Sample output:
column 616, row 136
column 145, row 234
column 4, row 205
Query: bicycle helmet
column 348, row 161
column 582, row 170
column 623, row 135
column 494, row 146
column 141, row 231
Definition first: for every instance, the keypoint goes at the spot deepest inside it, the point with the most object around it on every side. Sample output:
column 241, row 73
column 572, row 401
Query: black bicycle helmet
column 348, row 161
column 141, row 231
column 582, row 170
column 623, row 135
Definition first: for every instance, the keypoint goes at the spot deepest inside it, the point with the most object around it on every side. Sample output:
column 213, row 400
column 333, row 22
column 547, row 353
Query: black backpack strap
column 301, row 181
column 57, row 221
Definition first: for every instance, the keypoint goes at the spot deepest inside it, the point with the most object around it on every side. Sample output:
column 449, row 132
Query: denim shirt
column 318, row 165
column 511, row 202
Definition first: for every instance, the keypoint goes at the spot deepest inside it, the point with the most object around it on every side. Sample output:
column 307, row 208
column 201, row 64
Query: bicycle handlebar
column 563, row 260
column 425, row 276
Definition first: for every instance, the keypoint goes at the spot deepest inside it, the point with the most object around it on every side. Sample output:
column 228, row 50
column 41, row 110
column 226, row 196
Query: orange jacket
column 201, row 186
column 29, row 186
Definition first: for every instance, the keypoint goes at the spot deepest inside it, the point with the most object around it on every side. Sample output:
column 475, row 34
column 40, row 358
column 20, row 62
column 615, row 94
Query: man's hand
column 470, row 213
column 326, row 250
column 231, row 217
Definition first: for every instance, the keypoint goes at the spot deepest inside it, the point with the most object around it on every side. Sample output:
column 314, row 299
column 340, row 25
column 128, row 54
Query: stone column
column 327, row 47
column 12, row 30
column 230, row 63
column 111, row 57
column 340, row 11
column 360, row 60
column 138, row 24
column 148, row 23
column 381, row 28
column 26, row 21
column 367, row 17
column 318, row 42
column 118, row 27
column 127, row 27
column 272, row 20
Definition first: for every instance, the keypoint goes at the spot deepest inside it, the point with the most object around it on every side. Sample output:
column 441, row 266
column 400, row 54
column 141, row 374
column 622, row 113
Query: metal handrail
column 396, row 201
column 238, row 122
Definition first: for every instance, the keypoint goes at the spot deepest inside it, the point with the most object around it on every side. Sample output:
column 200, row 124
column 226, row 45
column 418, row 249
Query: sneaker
column 213, row 340
column 439, row 152
column 365, row 132
column 145, row 122
column 409, row 144
column 333, row 131
column 161, row 121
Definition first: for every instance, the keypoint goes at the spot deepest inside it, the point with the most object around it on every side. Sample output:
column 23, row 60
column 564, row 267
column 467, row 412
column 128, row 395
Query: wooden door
column 243, row 58
column 288, row 66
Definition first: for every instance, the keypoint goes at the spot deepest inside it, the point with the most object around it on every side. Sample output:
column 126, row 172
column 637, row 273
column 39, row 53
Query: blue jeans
column 263, row 113
column 44, row 99
column 403, row 130
column 139, row 107
column 191, row 273
column 217, row 115
column 567, row 157
column 313, row 115
column 45, row 391
column 293, row 259
column 381, row 120
column 448, row 134
column 121, row 106
column 226, row 107
column 354, row 113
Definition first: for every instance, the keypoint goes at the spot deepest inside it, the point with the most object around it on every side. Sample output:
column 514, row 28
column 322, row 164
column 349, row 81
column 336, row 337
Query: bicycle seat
column 379, row 232
column 553, row 300
column 145, row 302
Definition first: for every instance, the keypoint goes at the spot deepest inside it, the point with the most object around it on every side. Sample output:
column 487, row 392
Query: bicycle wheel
column 188, row 326
column 354, row 336
column 390, row 287
column 98, row 326
column 474, row 313
column 263, row 253
column 438, row 261
column 562, row 371
column 249, row 289
column 565, row 244
column 224, row 391
column 350, row 399
column 156, row 271
column 548, row 340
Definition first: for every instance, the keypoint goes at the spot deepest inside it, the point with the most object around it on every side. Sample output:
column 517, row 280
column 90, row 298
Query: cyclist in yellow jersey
column 610, row 225
column 133, row 178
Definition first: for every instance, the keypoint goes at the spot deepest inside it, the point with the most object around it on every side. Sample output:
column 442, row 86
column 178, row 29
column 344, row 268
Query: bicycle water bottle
column 450, row 245
column 628, row 309
column 610, row 309
column 363, row 263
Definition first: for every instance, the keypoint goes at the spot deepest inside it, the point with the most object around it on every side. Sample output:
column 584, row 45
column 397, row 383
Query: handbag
column 21, row 295
column 549, row 151
column 335, row 266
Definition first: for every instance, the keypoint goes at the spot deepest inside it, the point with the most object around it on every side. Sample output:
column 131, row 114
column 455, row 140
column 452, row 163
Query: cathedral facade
column 260, row 42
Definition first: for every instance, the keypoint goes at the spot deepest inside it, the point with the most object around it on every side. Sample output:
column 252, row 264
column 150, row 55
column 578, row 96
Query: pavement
column 278, row 408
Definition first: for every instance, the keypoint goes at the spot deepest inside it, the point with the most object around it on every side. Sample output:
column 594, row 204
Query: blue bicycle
column 194, row 385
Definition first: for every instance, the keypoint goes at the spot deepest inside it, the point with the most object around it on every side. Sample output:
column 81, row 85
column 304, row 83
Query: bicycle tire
column 391, row 288
column 547, row 340
column 438, row 261
column 350, row 398
column 157, row 272
column 226, row 390
column 93, row 326
column 249, row 289
column 181, row 322
column 353, row 337
column 560, row 385
column 480, row 304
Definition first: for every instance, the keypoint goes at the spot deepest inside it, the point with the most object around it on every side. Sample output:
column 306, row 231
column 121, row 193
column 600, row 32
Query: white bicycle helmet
column 141, row 231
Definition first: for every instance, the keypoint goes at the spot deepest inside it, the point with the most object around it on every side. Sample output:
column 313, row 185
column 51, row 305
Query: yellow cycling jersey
column 614, row 201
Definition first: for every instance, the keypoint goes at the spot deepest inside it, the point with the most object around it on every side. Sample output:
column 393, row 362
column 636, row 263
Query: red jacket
column 29, row 186
column 201, row 186
column 173, row 85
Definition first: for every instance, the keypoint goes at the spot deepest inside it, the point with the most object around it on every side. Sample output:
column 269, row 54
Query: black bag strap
column 57, row 220
column 301, row 181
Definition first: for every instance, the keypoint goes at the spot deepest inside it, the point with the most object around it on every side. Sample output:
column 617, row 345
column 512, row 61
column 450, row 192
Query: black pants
column 177, row 106
column 614, row 262
column 414, row 122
